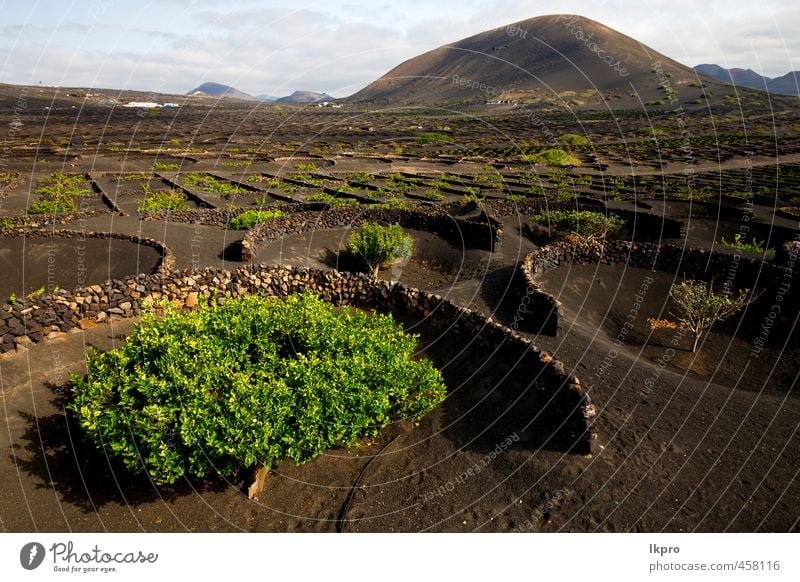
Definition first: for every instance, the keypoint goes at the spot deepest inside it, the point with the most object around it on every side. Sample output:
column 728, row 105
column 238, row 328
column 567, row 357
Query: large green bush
column 377, row 245
column 554, row 157
column 255, row 380
column 582, row 222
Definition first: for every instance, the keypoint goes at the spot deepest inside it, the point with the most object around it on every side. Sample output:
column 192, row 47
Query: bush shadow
column 53, row 451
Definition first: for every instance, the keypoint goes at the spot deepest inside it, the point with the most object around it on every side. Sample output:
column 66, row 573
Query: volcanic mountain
column 788, row 84
column 219, row 90
column 545, row 56
column 305, row 97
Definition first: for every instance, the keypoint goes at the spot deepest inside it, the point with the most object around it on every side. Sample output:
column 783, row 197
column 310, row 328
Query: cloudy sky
column 338, row 46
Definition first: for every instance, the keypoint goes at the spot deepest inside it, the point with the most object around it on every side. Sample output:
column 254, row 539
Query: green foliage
column 212, row 184
column 698, row 307
column 63, row 186
column 249, row 218
column 377, row 245
column 13, row 299
column 332, row 200
column 741, row 244
column 137, row 177
column 563, row 195
column 306, row 167
column 162, row 166
column 432, row 195
column 237, row 163
column 33, row 296
column 655, row 102
column 6, row 223
column 163, row 200
column 434, row 137
column 359, row 177
column 7, row 178
column 392, row 202
column 574, row 139
column 253, row 381
column 583, row 222
column 554, row 157
column 47, row 206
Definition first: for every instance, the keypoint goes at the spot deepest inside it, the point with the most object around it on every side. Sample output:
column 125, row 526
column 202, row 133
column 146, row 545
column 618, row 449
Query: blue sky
column 275, row 47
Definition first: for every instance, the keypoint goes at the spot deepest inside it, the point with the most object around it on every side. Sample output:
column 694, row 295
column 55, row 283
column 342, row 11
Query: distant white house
column 146, row 104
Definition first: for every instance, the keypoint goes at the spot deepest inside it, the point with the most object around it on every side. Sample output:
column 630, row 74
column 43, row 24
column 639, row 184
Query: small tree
column 378, row 245
column 699, row 308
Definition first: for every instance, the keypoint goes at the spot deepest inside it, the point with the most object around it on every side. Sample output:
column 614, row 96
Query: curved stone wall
column 53, row 315
column 544, row 312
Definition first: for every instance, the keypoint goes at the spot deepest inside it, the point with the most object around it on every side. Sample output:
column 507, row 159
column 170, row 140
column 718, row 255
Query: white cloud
column 339, row 47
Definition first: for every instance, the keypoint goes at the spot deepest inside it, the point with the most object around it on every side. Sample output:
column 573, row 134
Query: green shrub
column 161, row 166
column 655, row 102
column 306, row 167
column 52, row 206
column 741, row 244
column 63, row 186
column 573, row 139
column 212, row 184
column 699, row 307
column 432, row 195
column 6, row 222
column 163, row 200
column 554, row 157
column 377, row 245
column 248, row 219
column 392, row 202
column 331, row 200
column 255, row 380
column 359, row 177
column 137, row 177
column 582, row 222
column 7, row 178
column 434, row 137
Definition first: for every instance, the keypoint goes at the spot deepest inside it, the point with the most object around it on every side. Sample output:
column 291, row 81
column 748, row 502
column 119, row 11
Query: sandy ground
column 694, row 453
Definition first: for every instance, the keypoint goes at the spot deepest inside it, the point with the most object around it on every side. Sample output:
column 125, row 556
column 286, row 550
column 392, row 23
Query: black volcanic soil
column 600, row 301
column 30, row 263
column 706, row 449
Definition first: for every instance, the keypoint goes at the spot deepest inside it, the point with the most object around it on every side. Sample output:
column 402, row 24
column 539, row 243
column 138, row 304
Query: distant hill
column 551, row 56
column 785, row 85
column 305, row 97
column 219, row 90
